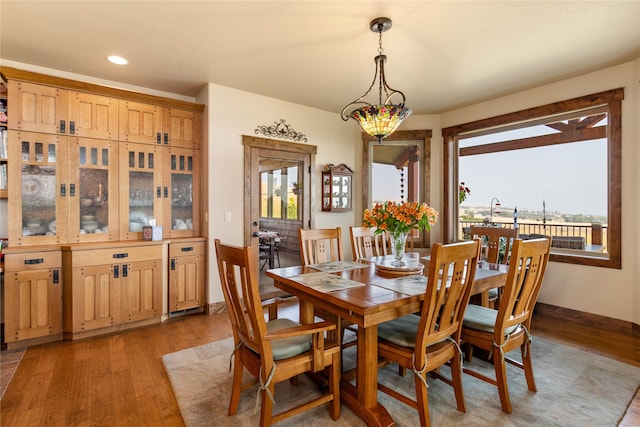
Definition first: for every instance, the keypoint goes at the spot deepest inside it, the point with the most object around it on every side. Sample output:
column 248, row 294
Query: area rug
column 575, row 388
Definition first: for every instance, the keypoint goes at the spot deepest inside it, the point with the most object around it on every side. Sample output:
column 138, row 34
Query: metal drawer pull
column 187, row 249
column 116, row 271
column 124, row 255
column 173, row 263
column 63, row 126
column 34, row 261
column 72, row 128
column 56, row 276
column 125, row 270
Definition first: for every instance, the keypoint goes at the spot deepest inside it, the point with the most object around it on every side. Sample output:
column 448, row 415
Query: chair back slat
column 493, row 237
column 528, row 263
column 366, row 244
column 238, row 277
column 452, row 270
column 320, row 245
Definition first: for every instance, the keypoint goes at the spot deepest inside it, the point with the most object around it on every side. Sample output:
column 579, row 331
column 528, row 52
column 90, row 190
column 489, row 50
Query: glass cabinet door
column 181, row 211
column 140, row 186
column 38, row 209
column 94, row 208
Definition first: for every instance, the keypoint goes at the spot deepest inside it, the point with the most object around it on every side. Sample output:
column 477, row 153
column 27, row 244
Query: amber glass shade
column 380, row 120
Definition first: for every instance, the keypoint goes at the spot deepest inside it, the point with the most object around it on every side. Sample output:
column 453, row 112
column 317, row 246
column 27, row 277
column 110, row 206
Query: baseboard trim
column 216, row 307
column 589, row 319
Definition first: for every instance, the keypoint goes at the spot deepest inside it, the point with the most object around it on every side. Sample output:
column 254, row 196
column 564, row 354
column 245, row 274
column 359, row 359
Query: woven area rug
column 575, row 388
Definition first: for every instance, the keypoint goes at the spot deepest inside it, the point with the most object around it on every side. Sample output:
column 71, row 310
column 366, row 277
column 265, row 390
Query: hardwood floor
column 119, row 380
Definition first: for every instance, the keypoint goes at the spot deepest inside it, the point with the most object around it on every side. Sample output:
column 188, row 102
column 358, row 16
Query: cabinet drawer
column 186, row 248
column 33, row 261
column 122, row 255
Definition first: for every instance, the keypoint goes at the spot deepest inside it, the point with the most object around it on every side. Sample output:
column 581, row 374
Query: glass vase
column 398, row 242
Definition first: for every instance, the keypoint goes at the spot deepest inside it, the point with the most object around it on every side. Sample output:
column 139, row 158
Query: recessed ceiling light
column 117, row 60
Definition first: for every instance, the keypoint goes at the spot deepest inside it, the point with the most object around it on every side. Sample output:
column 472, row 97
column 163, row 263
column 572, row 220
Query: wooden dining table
column 367, row 305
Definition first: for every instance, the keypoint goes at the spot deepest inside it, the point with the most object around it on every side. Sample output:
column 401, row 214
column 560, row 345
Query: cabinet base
column 33, row 341
column 71, row 336
column 186, row 312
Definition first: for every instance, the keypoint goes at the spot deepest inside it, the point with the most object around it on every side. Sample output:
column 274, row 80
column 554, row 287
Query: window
column 279, row 192
column 558, row 163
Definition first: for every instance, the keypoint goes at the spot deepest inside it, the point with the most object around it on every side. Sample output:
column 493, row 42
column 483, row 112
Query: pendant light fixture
column 382, row 119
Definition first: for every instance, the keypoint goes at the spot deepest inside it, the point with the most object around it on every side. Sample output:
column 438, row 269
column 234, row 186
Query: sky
column 570, row 178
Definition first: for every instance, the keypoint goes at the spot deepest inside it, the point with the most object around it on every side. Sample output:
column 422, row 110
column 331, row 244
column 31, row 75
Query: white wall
column 604, row 291
column 233, row 113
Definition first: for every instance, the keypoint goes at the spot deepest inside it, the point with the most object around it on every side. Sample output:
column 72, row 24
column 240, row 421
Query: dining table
column 359, row 293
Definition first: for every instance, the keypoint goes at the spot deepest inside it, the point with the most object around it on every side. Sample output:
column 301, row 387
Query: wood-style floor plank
column 119, row 379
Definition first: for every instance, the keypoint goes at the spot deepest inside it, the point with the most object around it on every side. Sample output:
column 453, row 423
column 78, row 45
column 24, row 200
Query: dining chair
column 325, row 245
column 271, row 351
column 509, row 327
column 494, row 236
column 424, row 343
column 366, row 244
column 320, row 245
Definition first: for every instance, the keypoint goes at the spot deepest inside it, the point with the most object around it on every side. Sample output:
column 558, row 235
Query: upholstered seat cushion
column 401, row 331
column 287, row 347
column 482, row 319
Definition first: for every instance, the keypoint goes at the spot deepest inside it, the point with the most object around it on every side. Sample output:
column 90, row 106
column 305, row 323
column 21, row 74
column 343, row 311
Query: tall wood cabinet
column 92, row 165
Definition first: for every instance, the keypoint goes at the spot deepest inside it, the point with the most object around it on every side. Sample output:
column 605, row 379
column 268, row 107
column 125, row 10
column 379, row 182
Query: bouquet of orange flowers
column 400, row 217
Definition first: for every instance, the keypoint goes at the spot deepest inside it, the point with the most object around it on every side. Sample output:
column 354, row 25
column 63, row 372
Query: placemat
column 338, row 266
column 325, row 282
column 410, row 285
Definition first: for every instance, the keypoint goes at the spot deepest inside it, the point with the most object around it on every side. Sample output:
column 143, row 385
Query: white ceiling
column 441, row 54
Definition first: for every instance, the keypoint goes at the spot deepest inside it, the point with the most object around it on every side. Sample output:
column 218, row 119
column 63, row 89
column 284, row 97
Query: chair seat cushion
column 287, row 347
column 401, row 331
column 482, row 319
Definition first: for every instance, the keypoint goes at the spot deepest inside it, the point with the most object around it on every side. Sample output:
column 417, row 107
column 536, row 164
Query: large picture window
column 552, row 170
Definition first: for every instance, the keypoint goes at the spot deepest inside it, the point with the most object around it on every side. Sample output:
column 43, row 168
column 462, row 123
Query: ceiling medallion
column 281, row 130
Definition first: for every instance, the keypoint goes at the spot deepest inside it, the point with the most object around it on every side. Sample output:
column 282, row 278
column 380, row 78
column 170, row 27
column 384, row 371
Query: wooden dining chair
column 325, row 245
column 366, row 244
column 271, row 351
column 493, row 237
column 509, row 327
column 424, row 343
column 320, row 245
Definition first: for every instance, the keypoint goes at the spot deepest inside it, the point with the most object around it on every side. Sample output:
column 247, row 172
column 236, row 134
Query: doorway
column 277, row 187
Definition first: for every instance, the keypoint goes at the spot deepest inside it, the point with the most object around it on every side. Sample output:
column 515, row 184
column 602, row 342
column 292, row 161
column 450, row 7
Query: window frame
column 401, row 137
column 611, row 101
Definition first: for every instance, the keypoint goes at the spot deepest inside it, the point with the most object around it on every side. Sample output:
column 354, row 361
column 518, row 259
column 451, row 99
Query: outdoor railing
column 593, row 234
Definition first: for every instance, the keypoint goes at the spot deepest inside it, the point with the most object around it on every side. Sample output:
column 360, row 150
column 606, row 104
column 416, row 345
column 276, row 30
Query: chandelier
column 382, row 119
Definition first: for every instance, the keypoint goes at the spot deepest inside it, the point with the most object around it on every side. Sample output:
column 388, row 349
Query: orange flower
column 400, row 217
